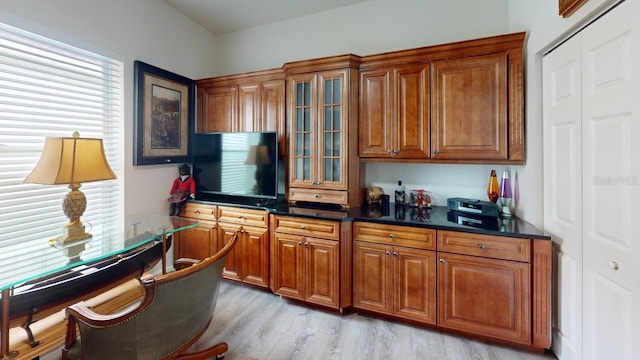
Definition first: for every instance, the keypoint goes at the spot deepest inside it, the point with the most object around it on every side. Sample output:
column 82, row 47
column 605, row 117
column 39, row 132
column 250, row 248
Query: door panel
column 411, row 138
column 288, row 268
column 372, row 277
column 255, row 264
column 563, row 189
column 415, row 284
column 233, row 266
column 375, row 113
column 611, row 184
column 322, row 271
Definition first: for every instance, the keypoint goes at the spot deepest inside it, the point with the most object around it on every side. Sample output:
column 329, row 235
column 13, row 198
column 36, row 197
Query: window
column 48, row 88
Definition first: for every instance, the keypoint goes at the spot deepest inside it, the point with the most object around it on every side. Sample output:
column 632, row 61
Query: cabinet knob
column 299, row 242
column 392, row 235
column 435, row 152
column 395, row 253
column 239, row 216
column 442, row 260
column 387, row 252
column 396, row 151
column 306, row 243
column 303, row 227
column 481, row 246
column 196, row 212
column 316, row 196
column 613, row 265
column 388, row 151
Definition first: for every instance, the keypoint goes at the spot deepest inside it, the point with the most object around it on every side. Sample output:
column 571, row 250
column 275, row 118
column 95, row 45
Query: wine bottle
column 400, row 193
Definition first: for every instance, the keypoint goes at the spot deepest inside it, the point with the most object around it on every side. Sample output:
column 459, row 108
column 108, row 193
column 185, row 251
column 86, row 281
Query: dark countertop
column 437, row 217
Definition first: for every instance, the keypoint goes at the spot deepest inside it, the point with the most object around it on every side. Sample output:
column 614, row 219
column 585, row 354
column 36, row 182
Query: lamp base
column 72, row 239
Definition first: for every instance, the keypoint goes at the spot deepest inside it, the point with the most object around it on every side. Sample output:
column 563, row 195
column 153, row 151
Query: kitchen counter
column 437, row 217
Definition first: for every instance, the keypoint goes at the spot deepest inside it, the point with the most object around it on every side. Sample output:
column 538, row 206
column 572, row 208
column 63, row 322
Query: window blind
column 48, row 88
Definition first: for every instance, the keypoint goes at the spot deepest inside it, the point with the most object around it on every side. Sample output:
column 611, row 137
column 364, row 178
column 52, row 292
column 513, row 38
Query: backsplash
column 441, row 181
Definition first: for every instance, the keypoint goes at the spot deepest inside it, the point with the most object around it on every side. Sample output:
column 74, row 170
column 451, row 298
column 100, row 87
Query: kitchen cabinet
column 323, row 159
column 395, row 271
column 203, row 238
column 311, row 261
column 460, row 102
column 252, row 101
column 394, row 112
column 249, row 260
column 484, row 285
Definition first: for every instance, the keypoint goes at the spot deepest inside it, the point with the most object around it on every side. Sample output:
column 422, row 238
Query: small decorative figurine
column 184, row 187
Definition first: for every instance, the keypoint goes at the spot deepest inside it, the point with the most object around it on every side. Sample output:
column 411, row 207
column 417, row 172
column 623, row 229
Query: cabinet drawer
column 414, row 237
column 243, row 216
column 198, row 211
column 315, row 195
column 323, row 229
column 498, row 247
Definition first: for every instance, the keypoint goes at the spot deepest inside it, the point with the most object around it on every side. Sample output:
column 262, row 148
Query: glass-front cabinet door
column 317, row 136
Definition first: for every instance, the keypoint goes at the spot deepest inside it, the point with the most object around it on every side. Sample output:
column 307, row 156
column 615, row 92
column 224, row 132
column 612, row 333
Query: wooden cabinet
column 311, row 261
column 394, row 112
column 249, row 260
column 450, row 103
column 246, row 102
column 323, row 160
column 199, row 242
column 395, row 271
column 484, row 285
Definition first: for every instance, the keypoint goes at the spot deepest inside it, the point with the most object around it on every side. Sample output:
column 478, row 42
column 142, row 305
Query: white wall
column 147, row 30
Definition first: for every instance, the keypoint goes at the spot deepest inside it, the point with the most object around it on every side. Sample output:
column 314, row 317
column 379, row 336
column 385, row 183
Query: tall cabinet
column 591, row 124
column 323, row 113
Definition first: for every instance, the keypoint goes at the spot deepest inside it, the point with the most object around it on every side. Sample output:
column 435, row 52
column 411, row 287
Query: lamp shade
column 71, row 160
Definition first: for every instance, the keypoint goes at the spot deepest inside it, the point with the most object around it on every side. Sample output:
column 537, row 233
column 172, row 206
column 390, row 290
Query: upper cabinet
column 245, row 102
column 322, row 113
column 458, row 102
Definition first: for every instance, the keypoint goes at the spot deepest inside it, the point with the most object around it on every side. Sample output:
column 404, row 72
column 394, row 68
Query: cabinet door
column 255, row 262
column 332, row 130
column 249, row 107
column 322, row 272
column 219, row 110
column 196, row 243
column 273, row 112
column 303, row 127
column 288, row 258
column 233, row 266
column 375, row 113
column 414, row 284
column 411, row 113
column 372, row 277
column 485, row 296
column 469, row 108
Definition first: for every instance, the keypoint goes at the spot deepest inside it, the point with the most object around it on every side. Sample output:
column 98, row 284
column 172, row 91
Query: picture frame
column 568, row 7
column 164, row 108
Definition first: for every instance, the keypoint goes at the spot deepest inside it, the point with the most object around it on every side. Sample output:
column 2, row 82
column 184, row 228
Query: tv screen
column 239, row 164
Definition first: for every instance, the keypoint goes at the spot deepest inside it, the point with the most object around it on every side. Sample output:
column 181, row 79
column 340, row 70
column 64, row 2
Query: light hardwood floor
column 258, row 325
column 262, row 326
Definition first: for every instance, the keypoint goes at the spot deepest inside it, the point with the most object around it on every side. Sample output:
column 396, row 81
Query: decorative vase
column 492, row 188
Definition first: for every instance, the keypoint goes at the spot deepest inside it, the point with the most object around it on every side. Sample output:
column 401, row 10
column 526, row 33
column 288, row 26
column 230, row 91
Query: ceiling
column 224, row 16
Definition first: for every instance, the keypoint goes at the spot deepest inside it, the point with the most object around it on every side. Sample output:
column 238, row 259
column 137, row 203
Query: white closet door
column 611, row 185
column 563, row 190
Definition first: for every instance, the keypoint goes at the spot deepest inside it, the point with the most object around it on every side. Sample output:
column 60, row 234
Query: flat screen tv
column 243, row 164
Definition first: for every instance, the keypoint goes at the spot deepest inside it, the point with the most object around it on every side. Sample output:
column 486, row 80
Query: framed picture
column 164, row 114
column 568, row 7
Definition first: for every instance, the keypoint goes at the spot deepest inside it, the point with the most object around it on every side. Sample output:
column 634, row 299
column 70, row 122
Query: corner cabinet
column 323, row 158
column 453, row 103
column 252, row 101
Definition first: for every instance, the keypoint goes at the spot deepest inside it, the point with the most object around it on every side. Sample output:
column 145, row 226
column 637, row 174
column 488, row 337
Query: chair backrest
column 175, row 311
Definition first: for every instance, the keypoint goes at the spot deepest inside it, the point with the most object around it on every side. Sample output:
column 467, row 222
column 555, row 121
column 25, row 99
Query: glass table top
column 45, row 257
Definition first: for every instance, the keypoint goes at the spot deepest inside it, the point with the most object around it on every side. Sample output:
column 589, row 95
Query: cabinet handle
column 396, row 151
column 435, row 152
column 299, row 242
column 306, row 243
column 239, row 216
column 387, row 253
column 392, row 235
column 613, row 265
column 481, row 246
column 389, row 151
column 442, row 261
column 196, row 212
column 303, row 227
column 316, row 196
column 395, row 253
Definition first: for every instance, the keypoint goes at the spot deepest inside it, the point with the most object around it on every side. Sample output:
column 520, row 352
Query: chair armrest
column 182, row 263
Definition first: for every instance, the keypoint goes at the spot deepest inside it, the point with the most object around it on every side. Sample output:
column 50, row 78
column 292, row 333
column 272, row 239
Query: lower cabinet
column 199, row 242
column 311, row 260
column 248, row 262
column 395, row 280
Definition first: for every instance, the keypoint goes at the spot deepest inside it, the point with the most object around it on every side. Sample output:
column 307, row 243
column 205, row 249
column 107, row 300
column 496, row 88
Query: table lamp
column 72, row 161
column 505, row 196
